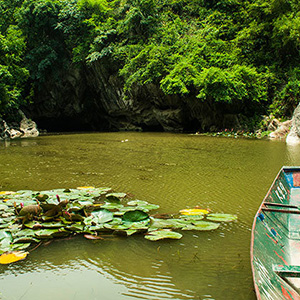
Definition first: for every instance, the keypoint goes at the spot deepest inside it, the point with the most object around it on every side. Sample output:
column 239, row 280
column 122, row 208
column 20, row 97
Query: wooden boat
column 275, row 240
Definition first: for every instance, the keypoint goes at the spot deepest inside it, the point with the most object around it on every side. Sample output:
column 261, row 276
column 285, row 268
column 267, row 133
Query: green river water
column 175, row 171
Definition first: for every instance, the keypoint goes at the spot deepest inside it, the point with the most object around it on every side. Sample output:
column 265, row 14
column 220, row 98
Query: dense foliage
column 226, row 51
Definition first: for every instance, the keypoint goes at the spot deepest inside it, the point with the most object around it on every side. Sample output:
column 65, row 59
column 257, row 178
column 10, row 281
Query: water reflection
column 18, row 142
column 123, row 268
column 293, row 154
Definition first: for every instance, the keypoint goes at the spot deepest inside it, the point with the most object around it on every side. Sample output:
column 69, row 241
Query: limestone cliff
column 92, row 98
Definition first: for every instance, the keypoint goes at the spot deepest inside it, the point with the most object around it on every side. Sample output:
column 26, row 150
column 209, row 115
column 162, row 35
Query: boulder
column 293, row 138
column 282, row 130
column 26, row 128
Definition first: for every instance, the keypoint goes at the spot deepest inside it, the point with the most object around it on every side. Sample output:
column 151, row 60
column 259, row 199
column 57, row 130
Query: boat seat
column 287, row 271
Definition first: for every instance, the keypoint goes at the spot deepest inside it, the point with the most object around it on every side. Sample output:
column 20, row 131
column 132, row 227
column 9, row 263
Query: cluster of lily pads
column 28, row 217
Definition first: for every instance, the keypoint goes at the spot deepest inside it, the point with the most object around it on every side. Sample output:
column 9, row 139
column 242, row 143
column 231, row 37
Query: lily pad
column 20, row 246
column 98, row 227
column 85, row 202
column 24, row 233
column 102, row 216
column 7, row 193
column 53, row 225
column 148, row 207
column 222, row 217
column 75, row 227
column 135, row 216
column 202, row 226
column 193, row 211
column 130, row 232
column 26, row 239
column 50, row 233
column 33, row 225
column 163, row 234
column 137, row 202
column 191, row 218
column 116, row 226
column 4, row 225
column 141, row 225
column 143, row 205
column 7, row 258
column 168, row 223
column 3, row 207
column 123, row 210
column 85, row 188
column 112, row 206
column 116, row 195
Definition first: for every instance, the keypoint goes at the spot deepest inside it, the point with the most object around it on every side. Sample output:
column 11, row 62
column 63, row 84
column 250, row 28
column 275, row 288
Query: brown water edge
column 173, row 170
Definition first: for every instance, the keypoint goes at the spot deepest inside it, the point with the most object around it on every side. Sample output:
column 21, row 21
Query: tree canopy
column 229, row 51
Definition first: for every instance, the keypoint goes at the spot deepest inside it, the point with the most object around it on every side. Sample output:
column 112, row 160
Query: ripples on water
column 173, row 170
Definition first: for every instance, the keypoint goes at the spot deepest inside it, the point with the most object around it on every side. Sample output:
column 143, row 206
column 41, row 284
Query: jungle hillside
column 173, row 65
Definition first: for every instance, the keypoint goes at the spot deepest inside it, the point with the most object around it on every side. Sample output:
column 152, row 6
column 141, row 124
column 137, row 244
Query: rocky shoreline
column 271, row 128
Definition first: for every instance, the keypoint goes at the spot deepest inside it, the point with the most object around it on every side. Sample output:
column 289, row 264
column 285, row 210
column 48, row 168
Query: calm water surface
column 173, row 170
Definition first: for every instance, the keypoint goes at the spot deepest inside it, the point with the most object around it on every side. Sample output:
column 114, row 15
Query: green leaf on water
column 53, row 225
column 131, row 232
column 20, row 246
column 135, row 216
column 112, row 206
column 4, row 225
column 98, row 227
column 115, row 197
column 50, row 233
column 202, row 226
column 116, row 226
column 163, row 234
column 75, row 227
column 3, row 207
column 24, row 233
column 143, row 205
column 102, row 216
column 33, row 225
column 192, row 218
column 26, row 239
column 148, row 207
column 123, row 210
column 137, row 202
column 85, row 202
column 5, row 235
column 141, row 225
column 168, row 223
column 222, row 217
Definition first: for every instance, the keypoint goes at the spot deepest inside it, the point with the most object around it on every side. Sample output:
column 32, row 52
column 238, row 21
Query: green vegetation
column 30, row 217
column 231, row 51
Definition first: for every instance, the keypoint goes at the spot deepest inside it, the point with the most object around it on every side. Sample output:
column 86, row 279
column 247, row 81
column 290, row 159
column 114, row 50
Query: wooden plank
column 287, row 271
column 281, row 210
column 280, row 205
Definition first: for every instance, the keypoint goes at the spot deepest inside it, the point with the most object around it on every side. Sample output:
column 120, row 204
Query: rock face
column 26, row 128
column 281, row 129
column 293, row 137
column 93, row 98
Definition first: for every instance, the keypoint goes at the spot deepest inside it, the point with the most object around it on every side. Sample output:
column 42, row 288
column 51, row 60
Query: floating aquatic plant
column 28, row 218
column 9, row 257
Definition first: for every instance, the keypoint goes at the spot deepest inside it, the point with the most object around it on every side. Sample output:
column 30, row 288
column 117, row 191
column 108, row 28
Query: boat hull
column 275, row 240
